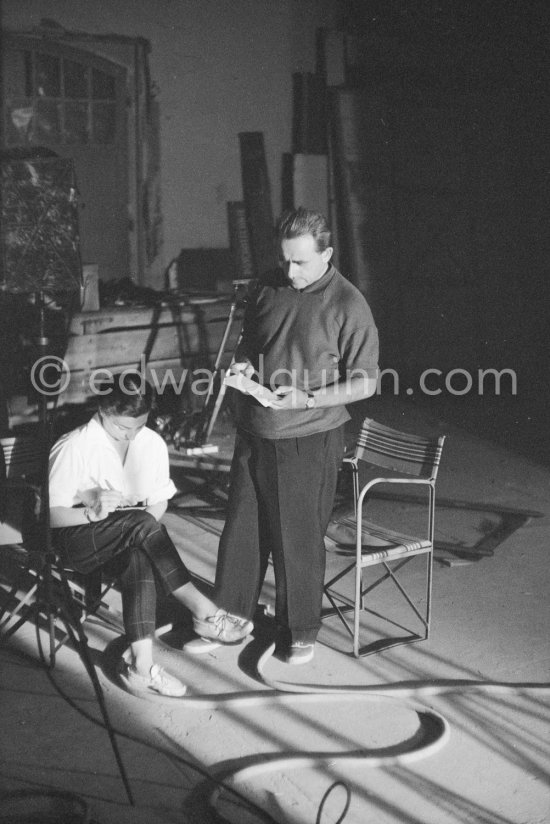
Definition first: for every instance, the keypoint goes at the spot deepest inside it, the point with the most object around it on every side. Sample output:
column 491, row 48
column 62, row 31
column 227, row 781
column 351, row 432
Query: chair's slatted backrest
column 398, row 451
column 22, row 457
column 21, row 460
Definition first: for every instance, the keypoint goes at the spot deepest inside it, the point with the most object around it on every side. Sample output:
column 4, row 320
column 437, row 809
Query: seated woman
column 97, row 472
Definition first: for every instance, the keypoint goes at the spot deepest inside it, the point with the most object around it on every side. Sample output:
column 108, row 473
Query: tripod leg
column 44, row 600
column 49, row 608
column 66, row 610
column 215, row 411
column 78, row 638
column 212, row 405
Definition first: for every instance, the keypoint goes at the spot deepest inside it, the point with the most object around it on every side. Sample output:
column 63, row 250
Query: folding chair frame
column 340, row 603
column 46, row 594
column 44, row 581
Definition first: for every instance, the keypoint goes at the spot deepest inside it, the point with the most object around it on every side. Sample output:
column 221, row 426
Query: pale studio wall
column 220, row 67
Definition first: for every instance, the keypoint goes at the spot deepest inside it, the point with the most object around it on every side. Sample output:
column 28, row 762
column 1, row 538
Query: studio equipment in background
column 190, row 433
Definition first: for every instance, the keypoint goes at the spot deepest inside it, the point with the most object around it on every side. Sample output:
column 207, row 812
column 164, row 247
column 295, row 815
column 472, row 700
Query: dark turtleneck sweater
column 308, row 338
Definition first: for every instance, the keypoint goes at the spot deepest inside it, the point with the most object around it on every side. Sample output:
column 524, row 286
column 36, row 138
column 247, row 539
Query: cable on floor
column 326, row 797
column 432, row 734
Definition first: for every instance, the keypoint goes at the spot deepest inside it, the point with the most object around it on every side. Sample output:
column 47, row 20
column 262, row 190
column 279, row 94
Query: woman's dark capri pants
column 280, row 502
column 138, row 550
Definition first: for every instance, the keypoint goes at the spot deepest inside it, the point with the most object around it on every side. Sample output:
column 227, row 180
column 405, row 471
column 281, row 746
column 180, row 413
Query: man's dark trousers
column 280, row 502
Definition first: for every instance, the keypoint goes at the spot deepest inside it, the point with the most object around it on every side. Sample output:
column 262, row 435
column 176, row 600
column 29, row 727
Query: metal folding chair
column 40, row 582
column 412, row 460
column 42, row 587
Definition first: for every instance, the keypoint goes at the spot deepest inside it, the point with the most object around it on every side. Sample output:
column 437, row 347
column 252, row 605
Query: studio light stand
column 53, row 597
column 40, row 256
column 193, row 433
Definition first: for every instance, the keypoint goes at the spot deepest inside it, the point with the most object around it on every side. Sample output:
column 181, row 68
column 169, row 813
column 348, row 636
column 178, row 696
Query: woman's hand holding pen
column 104, row 502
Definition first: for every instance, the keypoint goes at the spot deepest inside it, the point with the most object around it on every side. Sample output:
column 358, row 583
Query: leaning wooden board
column 184, row 337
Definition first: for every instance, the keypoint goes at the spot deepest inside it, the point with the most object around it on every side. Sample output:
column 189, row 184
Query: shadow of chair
column 406, row 459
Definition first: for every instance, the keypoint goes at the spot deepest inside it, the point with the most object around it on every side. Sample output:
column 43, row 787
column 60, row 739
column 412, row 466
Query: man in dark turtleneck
column 308, row 335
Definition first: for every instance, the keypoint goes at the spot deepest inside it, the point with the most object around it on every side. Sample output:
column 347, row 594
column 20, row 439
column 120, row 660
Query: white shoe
column 300, row 652
column 158, row 681
column 220, row 629
column 223, row 627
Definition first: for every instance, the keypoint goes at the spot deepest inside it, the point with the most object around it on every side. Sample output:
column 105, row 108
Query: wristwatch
column 310, row 403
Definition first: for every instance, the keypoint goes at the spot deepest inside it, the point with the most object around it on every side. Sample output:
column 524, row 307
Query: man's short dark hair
column 304, row 222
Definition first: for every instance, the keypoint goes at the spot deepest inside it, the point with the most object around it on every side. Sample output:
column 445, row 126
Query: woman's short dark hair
column 304, row 222
column 126, row 393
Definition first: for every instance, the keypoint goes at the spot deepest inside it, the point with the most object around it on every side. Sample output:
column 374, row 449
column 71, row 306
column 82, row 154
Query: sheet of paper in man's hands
column 249, row 387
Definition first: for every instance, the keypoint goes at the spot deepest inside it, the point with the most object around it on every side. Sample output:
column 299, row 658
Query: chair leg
column 35, row 601
column 424, row 616
column 429, row 576
column 23, row 604
column 339, row 604
column 39, row 600
column 358, row 608
column 70, row 616
column 359, row 604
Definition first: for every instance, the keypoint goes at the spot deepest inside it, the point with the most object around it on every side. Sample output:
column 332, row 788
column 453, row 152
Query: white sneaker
column 223, row 628
column 158, row 681
column 300, row 652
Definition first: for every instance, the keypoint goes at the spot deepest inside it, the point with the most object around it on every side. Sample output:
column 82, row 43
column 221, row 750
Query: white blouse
column 85, row 459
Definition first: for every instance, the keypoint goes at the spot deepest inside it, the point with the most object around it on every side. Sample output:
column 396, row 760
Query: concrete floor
column 490, row 623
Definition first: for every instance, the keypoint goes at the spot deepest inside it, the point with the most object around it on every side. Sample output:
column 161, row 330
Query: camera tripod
column 194, row 430
column 50, row 595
